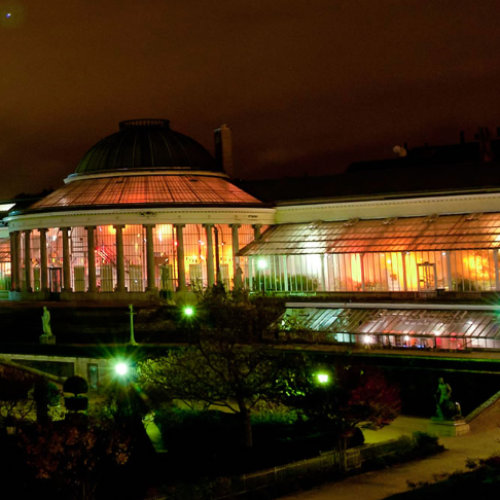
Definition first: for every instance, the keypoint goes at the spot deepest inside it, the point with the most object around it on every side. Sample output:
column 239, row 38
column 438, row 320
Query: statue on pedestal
column 47, row 337
column 446, row 409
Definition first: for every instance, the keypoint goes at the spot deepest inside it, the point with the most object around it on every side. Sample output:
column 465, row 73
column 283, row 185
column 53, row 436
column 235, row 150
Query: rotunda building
column 147, row 210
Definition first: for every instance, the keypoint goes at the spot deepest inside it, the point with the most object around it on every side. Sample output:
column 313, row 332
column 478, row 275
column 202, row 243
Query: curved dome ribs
column 145, row 163
column 168, row 190
column 146, row 144
column 115, row 156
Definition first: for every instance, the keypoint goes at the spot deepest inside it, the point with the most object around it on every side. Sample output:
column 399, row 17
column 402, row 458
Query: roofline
column 83, row 209
column 390, row 305
column 386, row 196
column 144, row 215
column 136, row 173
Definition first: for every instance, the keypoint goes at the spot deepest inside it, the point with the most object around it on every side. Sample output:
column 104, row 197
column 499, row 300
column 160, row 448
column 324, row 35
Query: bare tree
column 223, row 367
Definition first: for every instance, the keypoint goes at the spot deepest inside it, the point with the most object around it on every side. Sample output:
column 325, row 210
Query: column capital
column 180, row 224
column 235, row 225
column 118, row 226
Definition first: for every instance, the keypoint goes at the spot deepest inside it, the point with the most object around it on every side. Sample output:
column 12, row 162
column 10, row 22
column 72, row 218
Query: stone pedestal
column 47, row 339
column 448, row 428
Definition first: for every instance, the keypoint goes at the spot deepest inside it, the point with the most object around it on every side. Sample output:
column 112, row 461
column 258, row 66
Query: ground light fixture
column 323, row 378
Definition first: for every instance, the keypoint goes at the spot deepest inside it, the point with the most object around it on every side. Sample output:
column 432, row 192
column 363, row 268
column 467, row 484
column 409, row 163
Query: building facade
column 148, row 210
column 150, row 213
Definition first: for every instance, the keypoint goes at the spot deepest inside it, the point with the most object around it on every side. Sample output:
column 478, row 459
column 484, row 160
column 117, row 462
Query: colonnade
column 22, row 276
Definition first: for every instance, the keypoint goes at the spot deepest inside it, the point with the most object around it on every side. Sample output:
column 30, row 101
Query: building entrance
column 55, row 279
column 426, row 277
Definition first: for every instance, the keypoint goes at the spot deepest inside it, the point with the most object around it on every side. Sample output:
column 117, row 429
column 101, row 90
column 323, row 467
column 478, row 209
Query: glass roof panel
column 446, row 232
column 471, row 324
column 142, row 189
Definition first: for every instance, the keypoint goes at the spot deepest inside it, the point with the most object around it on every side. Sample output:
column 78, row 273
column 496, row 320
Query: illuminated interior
column 397, row 327
column 418, row 254
column 135, row 257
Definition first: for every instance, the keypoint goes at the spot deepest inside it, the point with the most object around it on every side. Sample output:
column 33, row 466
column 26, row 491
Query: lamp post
column 131, row 314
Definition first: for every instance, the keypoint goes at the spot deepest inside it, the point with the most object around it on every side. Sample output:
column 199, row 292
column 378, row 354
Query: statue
column 446, row 409
column 238, row 277
column 47, row 330
column 47, row 337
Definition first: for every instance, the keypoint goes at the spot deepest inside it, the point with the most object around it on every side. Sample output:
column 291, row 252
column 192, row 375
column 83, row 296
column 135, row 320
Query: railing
column 328, row 463
column 332, row 461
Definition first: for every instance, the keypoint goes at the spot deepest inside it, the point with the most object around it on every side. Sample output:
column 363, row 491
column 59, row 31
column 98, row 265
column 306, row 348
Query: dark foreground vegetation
column 279, row 406
column 482, row 482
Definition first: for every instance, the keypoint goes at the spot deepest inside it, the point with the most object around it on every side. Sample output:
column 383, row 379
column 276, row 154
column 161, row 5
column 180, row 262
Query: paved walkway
column 380, row 484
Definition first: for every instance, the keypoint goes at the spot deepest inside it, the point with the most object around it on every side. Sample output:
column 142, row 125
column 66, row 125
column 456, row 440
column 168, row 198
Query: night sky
column 305, row 85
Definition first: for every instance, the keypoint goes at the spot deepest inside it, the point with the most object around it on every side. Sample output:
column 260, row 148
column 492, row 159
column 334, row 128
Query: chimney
column 224, row 149
column 485, row 144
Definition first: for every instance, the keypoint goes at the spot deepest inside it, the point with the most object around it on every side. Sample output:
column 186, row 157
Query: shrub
column 76, row 385
column 426, row 444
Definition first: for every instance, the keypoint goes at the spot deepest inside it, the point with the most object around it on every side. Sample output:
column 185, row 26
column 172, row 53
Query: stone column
column 362, row 268
column 150, row 253
column 497, row 272
column 44, row 279
column 14, row 260
column 236, row 260
column 27, row 261
column 66, row 261
column 91, row 258
column 210, row 256
column 285, row 271
column 180, row 257
column 405, row 279
column 448, row 272
column 120, row 262
column 250, row 273
column 256, row 231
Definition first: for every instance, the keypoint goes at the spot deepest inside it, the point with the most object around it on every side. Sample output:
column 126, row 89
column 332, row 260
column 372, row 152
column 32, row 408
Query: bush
column 274, row 414
column 76, row 385
column 76, row 403
column 426, row 444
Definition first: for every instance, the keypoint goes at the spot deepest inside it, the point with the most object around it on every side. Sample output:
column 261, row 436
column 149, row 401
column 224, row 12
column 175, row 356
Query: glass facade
column 459, row 270
column 165, row 250
column 412, row 328
column 393, row 257
column 420, row 254
column 5, row 266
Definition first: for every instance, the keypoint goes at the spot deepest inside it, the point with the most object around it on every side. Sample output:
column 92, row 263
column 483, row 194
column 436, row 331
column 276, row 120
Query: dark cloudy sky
column 306, row 85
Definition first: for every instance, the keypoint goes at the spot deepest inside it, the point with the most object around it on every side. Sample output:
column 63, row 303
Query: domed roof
column 146, row 144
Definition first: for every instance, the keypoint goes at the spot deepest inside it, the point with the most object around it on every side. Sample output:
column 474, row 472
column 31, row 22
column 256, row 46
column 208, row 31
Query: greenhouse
column 420, row 254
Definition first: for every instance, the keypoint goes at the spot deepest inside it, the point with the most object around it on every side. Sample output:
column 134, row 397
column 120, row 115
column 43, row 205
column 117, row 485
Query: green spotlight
column 121, row 368
column 188, row 311
column 323, row 378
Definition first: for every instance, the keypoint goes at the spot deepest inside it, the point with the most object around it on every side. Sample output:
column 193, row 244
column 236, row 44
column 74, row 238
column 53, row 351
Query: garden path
column 376, row 485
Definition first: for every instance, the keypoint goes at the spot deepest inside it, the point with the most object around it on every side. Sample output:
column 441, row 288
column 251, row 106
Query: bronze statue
column 446, row 409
